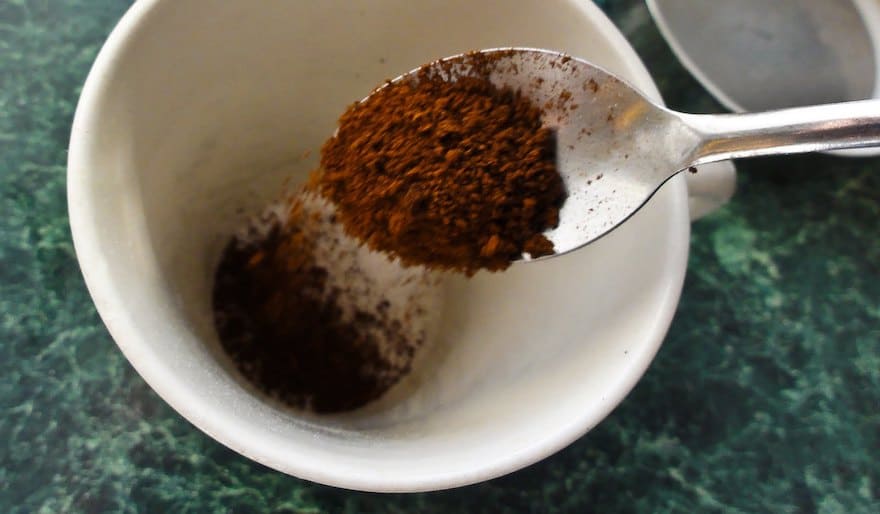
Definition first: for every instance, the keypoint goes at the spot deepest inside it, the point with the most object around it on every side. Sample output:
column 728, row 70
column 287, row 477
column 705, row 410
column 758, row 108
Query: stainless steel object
column 757, row 55
column 616, row 147
column 754, row 55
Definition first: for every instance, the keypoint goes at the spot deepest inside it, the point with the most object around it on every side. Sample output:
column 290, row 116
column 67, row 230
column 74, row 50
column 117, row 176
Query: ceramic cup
column 192, row 117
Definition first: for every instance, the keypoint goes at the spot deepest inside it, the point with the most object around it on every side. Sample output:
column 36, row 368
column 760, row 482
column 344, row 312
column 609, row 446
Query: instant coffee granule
column 456, row 175
column 451, row 174
column 313, row 319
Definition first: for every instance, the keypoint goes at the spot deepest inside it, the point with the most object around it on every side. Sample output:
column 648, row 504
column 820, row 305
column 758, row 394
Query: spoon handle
column 784, row 131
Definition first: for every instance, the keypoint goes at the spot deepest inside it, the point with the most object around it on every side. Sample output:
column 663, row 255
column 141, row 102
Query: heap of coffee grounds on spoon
column 452, row 174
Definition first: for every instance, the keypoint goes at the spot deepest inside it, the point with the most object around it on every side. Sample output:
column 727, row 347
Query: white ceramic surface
column 192, row 117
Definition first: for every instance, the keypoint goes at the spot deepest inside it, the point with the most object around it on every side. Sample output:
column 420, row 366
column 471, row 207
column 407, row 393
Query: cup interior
column 192, row 120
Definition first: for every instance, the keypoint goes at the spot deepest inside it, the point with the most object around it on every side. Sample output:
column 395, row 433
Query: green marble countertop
column 764, row 398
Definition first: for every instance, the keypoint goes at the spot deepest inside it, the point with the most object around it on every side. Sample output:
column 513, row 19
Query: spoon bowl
column 616, row 148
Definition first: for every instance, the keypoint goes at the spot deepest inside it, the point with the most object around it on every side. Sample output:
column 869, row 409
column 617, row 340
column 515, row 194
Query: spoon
column 616, row 148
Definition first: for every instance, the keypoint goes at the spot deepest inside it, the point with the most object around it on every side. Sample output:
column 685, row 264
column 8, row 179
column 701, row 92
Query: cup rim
column 110, row 305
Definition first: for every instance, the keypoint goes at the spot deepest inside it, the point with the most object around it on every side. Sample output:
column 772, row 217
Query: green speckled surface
column 764, row 398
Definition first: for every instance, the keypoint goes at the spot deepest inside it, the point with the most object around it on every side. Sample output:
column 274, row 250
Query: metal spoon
column 616, row 147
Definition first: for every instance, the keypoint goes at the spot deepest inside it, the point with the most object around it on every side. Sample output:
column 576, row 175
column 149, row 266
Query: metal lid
column 754, row 55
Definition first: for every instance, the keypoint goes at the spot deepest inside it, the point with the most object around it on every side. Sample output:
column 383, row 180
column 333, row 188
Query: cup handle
column 710, row 187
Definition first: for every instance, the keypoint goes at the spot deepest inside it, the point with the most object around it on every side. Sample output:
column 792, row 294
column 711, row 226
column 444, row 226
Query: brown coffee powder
column 454, row 175
column 305, row 323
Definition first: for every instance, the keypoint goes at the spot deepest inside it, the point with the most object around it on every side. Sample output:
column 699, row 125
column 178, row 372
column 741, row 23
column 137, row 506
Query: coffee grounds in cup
column 451, row 174
column 311, row 319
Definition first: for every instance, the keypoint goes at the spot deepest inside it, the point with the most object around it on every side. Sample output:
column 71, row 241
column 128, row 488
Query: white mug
column 191, row 117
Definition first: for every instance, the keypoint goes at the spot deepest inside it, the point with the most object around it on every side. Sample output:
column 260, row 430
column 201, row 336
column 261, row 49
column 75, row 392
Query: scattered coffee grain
column 311, row 317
